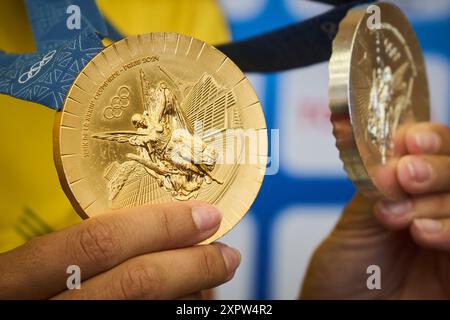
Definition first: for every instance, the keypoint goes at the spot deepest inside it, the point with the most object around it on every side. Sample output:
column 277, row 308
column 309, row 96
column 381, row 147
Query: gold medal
column 157, row 118
column 377, row 85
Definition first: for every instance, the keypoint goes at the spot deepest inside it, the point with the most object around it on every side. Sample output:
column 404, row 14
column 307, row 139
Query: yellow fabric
column 202, row 19
column 31, row 199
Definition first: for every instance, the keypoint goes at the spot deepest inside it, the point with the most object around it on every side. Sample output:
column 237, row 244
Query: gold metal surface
column 377, row 84
column 157, row 118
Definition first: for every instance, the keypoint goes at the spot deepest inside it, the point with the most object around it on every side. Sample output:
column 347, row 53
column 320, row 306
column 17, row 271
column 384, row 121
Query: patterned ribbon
column 295, row 46
column 46, row 75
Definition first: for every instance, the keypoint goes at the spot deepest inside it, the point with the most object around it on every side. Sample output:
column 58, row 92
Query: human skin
column 140, row 253
column 408, row 239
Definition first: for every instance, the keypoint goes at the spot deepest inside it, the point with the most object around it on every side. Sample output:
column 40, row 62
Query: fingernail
column 428, row 141
column 231, row 256
column 206, row 217
column 429, row 225
column 395, row 208
column 418, row 169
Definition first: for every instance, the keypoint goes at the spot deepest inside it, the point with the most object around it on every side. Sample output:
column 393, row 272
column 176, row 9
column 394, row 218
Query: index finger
column 99, row 244
column 423, row 138
column 428, row 138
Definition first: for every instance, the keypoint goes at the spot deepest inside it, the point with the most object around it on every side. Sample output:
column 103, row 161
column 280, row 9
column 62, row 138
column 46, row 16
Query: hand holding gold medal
column 158, row 118
column 378, row 87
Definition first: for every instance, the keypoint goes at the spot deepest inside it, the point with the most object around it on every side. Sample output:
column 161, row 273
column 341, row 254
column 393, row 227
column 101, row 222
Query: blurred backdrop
column 297, row 207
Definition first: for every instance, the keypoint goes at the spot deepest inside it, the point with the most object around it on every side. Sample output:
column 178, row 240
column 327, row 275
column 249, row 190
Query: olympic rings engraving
column 35, row 68
column 119, row 102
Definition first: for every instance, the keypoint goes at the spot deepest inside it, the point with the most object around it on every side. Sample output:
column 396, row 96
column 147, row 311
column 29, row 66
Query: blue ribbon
column 46, row 76
column 294, row 46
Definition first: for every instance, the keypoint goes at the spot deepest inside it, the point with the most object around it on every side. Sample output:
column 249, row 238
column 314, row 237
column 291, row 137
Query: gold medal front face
column 158, row 118
column 378, row 84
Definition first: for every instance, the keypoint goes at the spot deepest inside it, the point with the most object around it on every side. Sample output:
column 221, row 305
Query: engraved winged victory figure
column 389, row 99
column 166, row 147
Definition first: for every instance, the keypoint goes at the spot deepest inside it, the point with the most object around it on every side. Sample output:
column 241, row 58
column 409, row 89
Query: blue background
column 283, row 190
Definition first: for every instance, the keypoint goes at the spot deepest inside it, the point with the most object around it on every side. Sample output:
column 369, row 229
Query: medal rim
column 340, row 99
column 244, row 205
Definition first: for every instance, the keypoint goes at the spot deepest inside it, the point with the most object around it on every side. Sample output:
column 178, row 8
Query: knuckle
column 445, row 204
column 447, row 172
column 139, row 280
column 211, row 265
column 36, row 249
column 441, row 128
column 97, row 242
column 36, row 246
column 446, row 134
column 165, row 226
column 439, row 205
column 442, row 271
column 422, row 126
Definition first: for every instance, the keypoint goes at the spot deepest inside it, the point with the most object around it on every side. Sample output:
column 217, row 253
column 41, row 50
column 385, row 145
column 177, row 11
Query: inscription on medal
column 165, row 145
column 118, row 103
column 381, row 73
column 114, row 110
column 390, row 93
column 161, row 118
